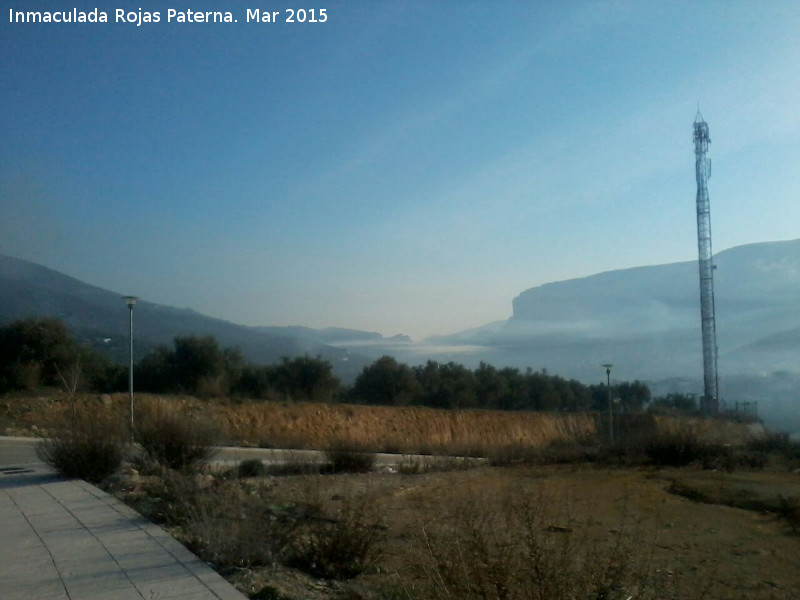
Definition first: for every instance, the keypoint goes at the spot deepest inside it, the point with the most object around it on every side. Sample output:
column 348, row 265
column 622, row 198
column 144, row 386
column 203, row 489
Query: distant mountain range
column 644, row 320
column 99, row 318
column 337, row 336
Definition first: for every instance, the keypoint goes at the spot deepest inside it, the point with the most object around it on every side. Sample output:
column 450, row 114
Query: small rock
column 125, row 480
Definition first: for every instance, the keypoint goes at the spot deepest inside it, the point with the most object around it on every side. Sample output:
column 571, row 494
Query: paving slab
column 64, row 539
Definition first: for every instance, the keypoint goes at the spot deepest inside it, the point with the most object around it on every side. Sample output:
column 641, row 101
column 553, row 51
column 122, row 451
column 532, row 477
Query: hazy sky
column 403, row 167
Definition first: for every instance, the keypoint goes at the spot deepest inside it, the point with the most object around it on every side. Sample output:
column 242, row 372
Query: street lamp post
column 130, row 301
column 607, row 367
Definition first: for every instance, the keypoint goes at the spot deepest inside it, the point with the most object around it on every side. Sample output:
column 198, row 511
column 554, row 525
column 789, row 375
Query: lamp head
column 130, row 300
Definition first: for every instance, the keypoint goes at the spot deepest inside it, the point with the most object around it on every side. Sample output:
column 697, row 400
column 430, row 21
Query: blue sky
column 404, row 167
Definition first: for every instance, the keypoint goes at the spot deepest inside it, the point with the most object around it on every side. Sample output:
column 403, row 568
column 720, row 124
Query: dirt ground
column 692, row 549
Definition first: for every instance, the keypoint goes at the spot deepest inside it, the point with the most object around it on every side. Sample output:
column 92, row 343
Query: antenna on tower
column 710, row 403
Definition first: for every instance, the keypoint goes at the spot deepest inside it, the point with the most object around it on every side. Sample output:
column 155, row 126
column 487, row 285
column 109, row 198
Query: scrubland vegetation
column 571, row 517
column 675, row 508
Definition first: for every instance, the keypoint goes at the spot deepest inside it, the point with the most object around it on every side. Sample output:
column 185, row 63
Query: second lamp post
column 130, row 301
column 607, row 367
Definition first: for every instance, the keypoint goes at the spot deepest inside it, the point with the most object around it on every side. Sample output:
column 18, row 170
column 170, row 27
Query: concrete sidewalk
column 68, row 540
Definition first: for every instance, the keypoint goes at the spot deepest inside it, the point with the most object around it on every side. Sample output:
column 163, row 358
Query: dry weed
column 340, row 545
column 88, row 442
column 520, row 548
column 172, row 438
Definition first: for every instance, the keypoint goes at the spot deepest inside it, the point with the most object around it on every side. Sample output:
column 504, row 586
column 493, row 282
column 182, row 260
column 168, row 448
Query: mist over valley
column 644, row 320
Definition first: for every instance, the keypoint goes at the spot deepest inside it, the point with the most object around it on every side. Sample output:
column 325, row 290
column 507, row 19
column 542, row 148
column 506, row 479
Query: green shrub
column 252, row 467
column 771, row 442
column 173, row 439
column 513, row 454
column 777, row 444
column 569, row 452
column 268, row 593
column 677, row 450
column 346, row 459
column 299, row 467
column 789, row 509
column 719, row 457
column 90, row 447
column 555, row 452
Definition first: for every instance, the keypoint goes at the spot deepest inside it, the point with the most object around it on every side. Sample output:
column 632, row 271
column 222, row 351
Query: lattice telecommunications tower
column 710, row 404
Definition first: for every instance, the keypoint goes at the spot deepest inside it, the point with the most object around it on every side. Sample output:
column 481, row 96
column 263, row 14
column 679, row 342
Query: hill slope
column 95, row 315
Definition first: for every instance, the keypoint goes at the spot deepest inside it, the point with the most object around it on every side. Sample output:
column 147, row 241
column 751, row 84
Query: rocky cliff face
column 650, row 315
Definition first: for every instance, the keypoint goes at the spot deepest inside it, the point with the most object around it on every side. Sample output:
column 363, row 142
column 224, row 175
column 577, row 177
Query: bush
column 221, row 522
column 555, row 452
column 268, row 593
column 235, row 526
column 750, row 459
column 776, row 444
column 173, row 439
column 296, row 468
column 513, row 454
column 720, row 458
column 520, row 547
column 91, row 447
column 31, row 351
column 228, row 528
column 252, row 467
column 676, row 450
column 341, row 547
column 346, row 459
column 789, row 509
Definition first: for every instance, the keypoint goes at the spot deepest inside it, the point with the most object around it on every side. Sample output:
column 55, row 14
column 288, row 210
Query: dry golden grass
column 406, row 429
column 384, row 428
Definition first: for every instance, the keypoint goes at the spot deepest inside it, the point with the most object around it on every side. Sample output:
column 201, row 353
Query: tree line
column 41, row 352
column 452, row 385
